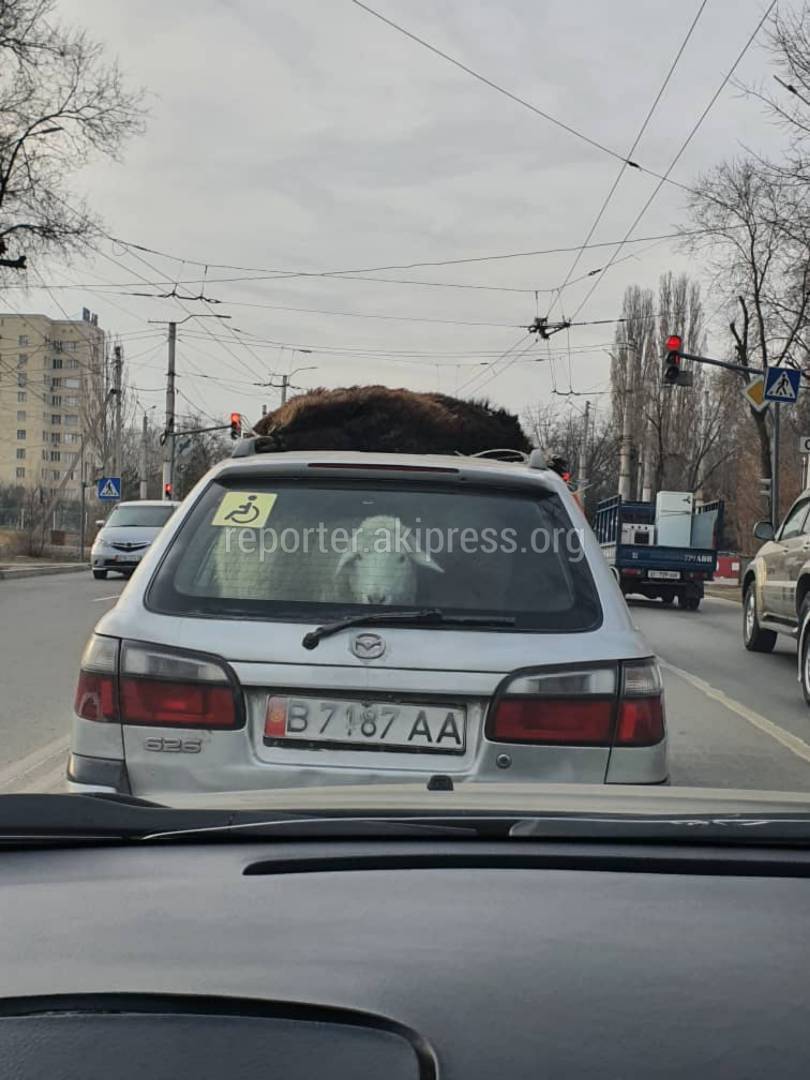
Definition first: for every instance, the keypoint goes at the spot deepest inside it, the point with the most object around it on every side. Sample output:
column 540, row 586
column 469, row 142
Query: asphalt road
column 44, row 624
column 736, row 719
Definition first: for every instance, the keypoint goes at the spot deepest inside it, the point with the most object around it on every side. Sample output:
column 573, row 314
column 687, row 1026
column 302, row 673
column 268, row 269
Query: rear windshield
column 151, row 517
column 284, row 550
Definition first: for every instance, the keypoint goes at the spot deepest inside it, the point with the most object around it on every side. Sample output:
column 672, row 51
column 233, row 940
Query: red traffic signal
column 167, row 491
column 236, row 425
column 672, row 360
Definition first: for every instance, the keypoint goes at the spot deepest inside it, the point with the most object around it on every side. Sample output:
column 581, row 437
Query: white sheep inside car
column 381, row 567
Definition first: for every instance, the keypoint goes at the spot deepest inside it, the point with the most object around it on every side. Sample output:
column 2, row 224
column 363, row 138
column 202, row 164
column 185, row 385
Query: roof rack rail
column 506, row 453
column 254, row 444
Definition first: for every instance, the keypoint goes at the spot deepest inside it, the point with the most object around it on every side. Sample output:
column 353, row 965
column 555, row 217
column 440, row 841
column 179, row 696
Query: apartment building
column 51, row 373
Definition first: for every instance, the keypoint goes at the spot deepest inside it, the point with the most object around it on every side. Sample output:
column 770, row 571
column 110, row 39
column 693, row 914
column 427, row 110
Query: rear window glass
column 152, row 517
column 284, row 550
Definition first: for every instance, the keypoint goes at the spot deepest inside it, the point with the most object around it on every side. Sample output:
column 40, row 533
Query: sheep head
column 381, row 566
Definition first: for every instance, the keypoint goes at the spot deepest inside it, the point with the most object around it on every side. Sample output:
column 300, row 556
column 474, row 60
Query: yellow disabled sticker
column 244, row 509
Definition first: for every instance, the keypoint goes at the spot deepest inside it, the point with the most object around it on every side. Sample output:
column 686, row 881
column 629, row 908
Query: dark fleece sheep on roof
column 379, row 419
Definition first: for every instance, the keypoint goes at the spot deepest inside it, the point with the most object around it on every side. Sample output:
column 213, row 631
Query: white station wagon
column 317, row 618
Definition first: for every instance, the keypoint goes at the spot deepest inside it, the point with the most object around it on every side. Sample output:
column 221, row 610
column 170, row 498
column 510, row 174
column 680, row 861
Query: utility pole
column 168, row 443
column 285, row 379
column 168, row 434
column 647, row 471
column 624, row 451
column 582, row 468
column 626, row 446
column 82, row 522
column 143, row 492
column 118, row 365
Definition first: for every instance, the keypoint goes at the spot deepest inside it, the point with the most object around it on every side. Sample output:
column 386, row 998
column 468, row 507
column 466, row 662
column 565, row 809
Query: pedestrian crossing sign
column 782, row 385
column 108, row 487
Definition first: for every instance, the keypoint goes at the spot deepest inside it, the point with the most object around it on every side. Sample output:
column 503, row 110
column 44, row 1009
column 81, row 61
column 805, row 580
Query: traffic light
column 167, row 491
column 672, row 360
column 236, row 425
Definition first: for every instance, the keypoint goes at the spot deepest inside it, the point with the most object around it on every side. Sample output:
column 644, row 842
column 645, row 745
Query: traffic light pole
column 745, row 370
column 742, row 368
column 775, row 466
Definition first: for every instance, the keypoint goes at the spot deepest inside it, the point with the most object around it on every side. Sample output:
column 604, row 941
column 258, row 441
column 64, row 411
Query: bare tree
column 788, row 42
column 755, row 229
column 563, row 433
column 676, row 432
column 60, row 103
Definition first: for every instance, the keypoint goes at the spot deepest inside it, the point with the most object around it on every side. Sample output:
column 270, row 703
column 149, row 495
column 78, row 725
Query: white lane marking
column 793, row 743
column 16, row 772
column 98, row 599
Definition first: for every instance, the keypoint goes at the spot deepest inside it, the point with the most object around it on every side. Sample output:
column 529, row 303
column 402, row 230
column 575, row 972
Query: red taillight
column 641, row 722
column 95, row 692
column 569, row 722
column 168, row 704
column 95, row 696
column 604, row 705
column 129, row 682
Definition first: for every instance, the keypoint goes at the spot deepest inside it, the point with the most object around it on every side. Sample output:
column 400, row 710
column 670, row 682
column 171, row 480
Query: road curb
column 40, row 571
column 730, row 595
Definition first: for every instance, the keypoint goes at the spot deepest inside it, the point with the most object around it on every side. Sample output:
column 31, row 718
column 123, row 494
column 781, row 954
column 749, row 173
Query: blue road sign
column 108, row 488
column 782, row 384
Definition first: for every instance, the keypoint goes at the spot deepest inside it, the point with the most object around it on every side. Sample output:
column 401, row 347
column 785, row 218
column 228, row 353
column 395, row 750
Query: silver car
column 124, row 537
column 318, row 618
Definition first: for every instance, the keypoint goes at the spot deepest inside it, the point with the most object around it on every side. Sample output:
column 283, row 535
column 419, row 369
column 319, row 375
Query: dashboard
column 403, row 959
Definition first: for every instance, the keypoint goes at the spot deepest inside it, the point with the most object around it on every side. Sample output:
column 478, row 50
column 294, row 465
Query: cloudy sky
column 308, row 136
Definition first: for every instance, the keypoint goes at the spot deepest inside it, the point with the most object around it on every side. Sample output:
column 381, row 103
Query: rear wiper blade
column 431, row 616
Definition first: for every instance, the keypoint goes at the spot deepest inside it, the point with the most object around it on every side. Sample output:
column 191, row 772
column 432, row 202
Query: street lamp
column 285, row 379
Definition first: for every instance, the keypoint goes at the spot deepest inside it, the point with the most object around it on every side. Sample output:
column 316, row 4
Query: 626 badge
column 173, row 745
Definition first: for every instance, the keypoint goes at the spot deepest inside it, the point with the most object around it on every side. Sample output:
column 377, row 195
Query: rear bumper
column 87, row 775
column 162, row 762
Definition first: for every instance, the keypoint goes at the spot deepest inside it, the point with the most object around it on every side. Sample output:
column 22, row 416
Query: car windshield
column 402, row 399
column 146, row 517
column 282, row 550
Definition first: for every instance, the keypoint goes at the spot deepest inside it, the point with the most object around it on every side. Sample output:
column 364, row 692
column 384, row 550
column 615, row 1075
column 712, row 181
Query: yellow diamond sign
column 754, row 393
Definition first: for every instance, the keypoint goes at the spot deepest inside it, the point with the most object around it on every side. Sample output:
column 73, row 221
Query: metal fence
column 66, row 516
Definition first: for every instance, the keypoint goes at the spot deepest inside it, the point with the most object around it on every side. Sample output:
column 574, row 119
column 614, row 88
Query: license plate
column 435, row 728
column 664, row 575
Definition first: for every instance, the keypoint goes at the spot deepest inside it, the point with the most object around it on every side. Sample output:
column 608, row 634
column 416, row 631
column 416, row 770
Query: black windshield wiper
column 428, row 616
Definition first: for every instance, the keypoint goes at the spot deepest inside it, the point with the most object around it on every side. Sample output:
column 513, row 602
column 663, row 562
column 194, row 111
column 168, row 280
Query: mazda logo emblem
column 367, row 646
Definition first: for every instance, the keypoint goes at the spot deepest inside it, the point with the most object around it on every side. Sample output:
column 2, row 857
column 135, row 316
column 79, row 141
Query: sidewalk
column 25, row 567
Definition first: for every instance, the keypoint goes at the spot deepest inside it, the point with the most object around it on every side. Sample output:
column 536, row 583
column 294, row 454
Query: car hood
column 508, row 798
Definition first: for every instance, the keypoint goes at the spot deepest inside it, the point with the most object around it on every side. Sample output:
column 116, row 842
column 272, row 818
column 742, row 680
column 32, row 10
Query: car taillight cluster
column 128, row 682
column 608, row 705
